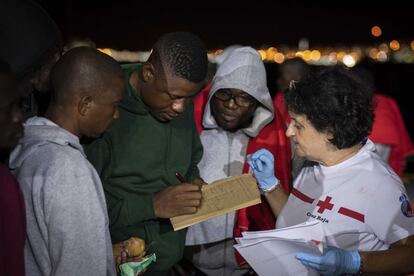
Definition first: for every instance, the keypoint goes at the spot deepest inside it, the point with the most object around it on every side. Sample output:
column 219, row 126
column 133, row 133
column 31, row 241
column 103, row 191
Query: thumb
column 308, row 258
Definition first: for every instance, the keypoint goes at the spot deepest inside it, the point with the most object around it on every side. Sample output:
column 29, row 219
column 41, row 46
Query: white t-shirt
column 362, row 203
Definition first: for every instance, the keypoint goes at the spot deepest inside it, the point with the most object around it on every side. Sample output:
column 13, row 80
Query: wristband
column 271, row 189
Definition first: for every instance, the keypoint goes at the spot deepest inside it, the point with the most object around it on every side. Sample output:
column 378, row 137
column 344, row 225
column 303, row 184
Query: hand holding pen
column 180, row 177
column 175, row 200
column 197, row 181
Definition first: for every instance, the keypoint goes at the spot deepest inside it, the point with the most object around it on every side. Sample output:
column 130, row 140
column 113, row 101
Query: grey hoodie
column 224, row 155
column 67, row 221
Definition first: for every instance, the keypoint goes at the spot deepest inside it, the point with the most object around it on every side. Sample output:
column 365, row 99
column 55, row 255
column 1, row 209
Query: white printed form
column 272, row 252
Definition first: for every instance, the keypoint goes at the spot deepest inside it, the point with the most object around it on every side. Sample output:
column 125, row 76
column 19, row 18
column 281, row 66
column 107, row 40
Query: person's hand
column 335, row 261
column 199, row 181
column 181, row 199
column 124, row 258
column 262, row 163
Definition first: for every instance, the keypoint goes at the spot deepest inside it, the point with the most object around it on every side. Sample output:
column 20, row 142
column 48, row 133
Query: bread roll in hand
column 135, row 247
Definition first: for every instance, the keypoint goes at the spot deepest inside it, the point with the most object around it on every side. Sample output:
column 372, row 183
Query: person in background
column 12, row 209
column 31, row 43
column 235, row 117
column 126, row 56
column 389, row 133
column 67, row 220
column 361, row 203
column 78, row 41
column 156, row 137
column 294, row 69
column 290, row 72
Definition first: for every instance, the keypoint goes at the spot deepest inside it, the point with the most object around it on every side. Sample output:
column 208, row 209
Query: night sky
column 136, row 25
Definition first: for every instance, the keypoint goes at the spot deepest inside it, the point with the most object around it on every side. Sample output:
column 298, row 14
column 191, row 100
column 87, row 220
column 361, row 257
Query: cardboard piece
column 220, row 197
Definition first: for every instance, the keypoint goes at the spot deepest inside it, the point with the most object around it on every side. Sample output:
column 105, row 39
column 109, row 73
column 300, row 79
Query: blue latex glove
column 262, row 163
column 335, row 261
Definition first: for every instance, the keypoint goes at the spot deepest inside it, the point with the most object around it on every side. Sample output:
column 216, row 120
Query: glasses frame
column 236, row 98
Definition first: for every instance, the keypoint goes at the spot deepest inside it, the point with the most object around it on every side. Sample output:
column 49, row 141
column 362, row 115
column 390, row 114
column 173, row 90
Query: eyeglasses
column 240, row 100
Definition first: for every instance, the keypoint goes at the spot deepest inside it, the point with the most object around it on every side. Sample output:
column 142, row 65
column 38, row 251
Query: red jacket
column 389, row 129
column 273, row 138
column 279, row 103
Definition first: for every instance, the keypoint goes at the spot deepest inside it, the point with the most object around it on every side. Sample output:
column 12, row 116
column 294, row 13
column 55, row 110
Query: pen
column 180, row 177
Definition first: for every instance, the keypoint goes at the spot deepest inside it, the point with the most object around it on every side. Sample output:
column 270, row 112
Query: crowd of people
column 91, row 147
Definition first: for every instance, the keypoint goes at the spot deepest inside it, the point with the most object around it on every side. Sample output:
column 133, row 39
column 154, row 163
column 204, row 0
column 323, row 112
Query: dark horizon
column 128, row 24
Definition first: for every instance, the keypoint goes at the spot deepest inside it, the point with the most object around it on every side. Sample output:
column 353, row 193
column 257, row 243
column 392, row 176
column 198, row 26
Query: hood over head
column 243, row 69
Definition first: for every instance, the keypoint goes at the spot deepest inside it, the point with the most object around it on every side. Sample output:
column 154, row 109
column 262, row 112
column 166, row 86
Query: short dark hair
column 334, row 102
column 183, row 53
column 80, row 69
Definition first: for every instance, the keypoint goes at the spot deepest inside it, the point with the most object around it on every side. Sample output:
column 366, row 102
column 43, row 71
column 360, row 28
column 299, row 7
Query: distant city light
column 349, row 61
column 395, row 51
column 395, row 45
column 382, row 56
column 279, row 58
column 262, row 54
column 315, row 55
column 376, row 31
column 106, row 51
column 349, row 56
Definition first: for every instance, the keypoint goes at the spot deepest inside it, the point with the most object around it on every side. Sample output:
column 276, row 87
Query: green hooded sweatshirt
column 137, row 158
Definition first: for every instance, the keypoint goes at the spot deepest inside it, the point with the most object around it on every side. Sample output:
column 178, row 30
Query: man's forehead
column 179, row 87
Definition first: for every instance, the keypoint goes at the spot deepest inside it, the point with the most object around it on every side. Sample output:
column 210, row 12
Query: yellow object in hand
column 135, row 247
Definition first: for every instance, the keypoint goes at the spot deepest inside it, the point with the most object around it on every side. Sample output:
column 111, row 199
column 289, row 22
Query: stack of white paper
column 273, row 252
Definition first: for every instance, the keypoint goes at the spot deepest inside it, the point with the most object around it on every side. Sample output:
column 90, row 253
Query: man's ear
column 84, row 105
column 148, row 72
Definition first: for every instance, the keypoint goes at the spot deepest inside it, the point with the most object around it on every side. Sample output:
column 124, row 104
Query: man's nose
column 231, row 103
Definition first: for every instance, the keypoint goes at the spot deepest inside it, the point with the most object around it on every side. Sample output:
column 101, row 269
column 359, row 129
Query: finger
column 188, row 187
column 318, row 267
column 259, row 165
column 251, row 164
column 311, row 265
column 118, row 261
column 124, row 257
column 188, row 210
column 191, row 203
column 268, row 160
column 199, row 182
column 189, row 196
column 260, row 152
column 309, row 258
